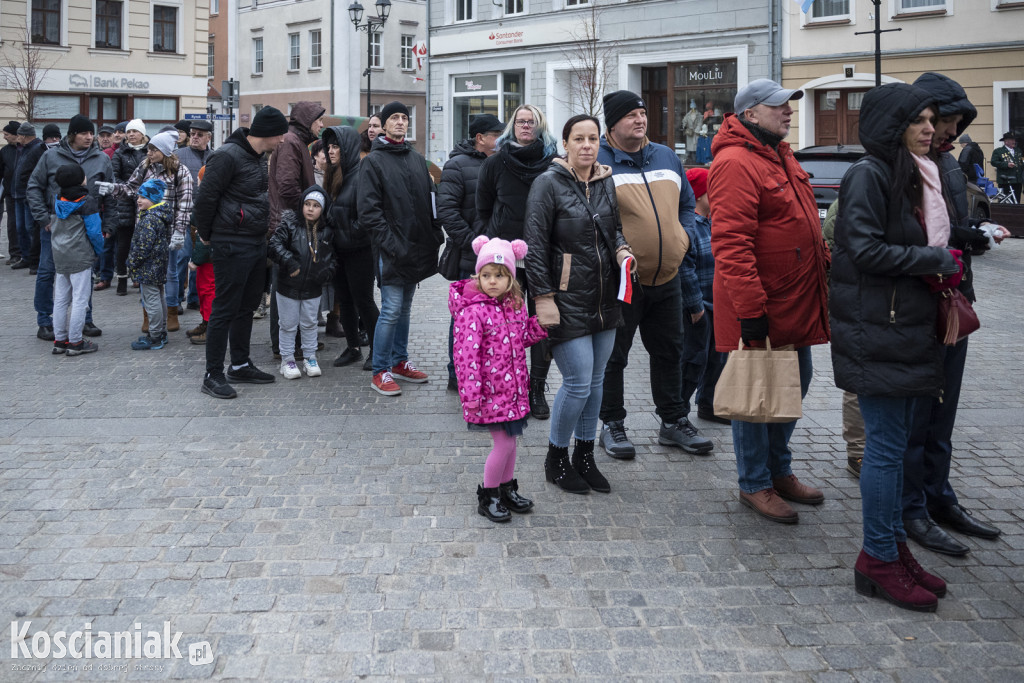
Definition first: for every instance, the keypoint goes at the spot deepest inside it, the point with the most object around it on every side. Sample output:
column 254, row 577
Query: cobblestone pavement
column 315, row 530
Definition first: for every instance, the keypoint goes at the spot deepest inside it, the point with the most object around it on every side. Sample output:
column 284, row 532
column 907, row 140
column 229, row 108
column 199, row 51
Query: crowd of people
column 710, row 260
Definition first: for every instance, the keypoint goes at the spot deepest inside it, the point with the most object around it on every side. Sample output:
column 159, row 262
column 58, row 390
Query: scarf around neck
column 933, row 206
column 526, row 162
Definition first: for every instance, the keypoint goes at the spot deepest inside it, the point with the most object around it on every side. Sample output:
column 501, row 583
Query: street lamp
column 372, row 25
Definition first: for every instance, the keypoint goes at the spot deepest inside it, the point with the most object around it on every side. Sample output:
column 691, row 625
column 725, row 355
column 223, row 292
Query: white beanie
column 166, row 142
column 136, row 124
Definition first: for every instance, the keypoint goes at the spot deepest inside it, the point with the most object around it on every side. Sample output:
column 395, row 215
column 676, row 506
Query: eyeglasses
column 522, row 123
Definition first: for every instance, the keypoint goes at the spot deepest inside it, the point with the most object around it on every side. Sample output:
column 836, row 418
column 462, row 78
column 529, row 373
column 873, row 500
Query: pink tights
column 501, row 461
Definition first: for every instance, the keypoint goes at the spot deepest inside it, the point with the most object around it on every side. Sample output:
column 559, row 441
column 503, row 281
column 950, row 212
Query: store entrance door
column 837, row 116
column 107, row 109
column 654, row 82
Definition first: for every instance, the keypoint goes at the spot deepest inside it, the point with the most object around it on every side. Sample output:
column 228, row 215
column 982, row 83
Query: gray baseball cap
column 763, row 91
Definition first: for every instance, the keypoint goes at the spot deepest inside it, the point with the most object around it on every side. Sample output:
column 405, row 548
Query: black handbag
column 448, row 264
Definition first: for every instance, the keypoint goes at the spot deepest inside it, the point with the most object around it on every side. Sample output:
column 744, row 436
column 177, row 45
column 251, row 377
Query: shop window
column 294, row 52
column 46, row 17
column 702, row 93
column 55, row 107
column 165, row 28
column 156, row 109
column 830, row 10
column 498, row 94
column 464, row 10
column 257, row 56
column 316, row 54
column 108, row 24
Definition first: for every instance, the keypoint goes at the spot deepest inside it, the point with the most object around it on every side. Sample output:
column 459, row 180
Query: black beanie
column 80, row 124
column 269, row 122
column 69, row 175
column 392, row 108
column 51, row 130
column 620, row 103
column 12, row 127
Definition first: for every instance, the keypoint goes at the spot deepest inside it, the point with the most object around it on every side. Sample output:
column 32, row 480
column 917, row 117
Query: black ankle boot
column 559, row 472
column 511, row 499
column 583, row 462
column 538, row 403
column 490, row 505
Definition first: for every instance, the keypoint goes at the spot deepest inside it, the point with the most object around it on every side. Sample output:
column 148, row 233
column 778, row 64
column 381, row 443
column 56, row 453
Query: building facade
column 112, row 61
column 687, row 59
column 290, row 51
column 979, row 43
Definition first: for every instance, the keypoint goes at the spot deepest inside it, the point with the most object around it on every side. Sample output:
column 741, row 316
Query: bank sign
column 107, row 83
column 504, row 37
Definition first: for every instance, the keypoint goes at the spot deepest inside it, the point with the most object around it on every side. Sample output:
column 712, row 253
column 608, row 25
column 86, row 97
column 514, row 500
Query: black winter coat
column 8, row 160
column 964, row 233
column 970, row 155
column 571, row 254
column 396, row 207
column 882, row 313
column 348, row 235
column 232, row 204
column 456, row 199
column 503, row 186
column 125, row 161
column 294, row 246
column 27, row 160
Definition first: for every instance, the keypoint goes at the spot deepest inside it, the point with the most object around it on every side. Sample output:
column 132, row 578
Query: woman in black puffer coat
column 353, row 280
column 890, row 254
column 126, row 159
column 525, row 150
column 575, row 238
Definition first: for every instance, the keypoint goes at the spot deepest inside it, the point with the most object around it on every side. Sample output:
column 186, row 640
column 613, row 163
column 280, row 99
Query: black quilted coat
column 232, row 204
column 456, row 199
column 125, row 160
column 572, row 249
column 882, row 313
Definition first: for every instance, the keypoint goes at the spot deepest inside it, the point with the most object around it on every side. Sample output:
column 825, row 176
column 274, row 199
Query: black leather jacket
column 882, row 313
column 572, row 249
column 293, row 247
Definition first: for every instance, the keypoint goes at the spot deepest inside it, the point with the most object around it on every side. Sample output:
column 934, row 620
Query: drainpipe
column 333, row 108
column 771, row 40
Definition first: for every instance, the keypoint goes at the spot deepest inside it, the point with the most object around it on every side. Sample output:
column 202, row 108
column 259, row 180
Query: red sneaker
column 407, row 371
column 384, row 383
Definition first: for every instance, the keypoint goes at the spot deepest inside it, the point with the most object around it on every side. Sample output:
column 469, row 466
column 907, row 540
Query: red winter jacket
column 491, row 339
column 770, row 257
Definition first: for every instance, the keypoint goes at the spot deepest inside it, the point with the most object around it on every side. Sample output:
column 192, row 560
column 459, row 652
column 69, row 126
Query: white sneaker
column 289, row 370
column 311, row 367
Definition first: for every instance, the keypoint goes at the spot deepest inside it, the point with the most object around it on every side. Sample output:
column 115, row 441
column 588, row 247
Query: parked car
column 827, row 164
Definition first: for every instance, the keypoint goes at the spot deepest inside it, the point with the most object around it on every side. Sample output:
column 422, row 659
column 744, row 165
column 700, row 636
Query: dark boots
column 559, row 472
column 490, row 505
column 538, row 403
column 334, row 328
column 891, row 581
column 929, row 582
column 583, row 462
column 511, row 499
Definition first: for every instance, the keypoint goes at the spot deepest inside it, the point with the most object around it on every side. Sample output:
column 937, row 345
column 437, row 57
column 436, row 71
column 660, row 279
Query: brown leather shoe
column 767, row 503
column 790, row 488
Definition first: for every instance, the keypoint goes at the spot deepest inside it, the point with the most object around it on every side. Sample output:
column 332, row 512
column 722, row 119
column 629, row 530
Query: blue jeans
column 179, row 260
column 762, row 450
column 391, row 336
column 108, row 258
column 45, row 276
column 171, row 297
column 24, row 222
column 887, row 424
column 582, row 362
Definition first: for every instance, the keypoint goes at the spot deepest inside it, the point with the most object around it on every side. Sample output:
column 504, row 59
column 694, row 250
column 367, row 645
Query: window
column 374, row 51
column 406, row 62
column 294, row 50
column 920, row 5
column 463, row 10
column 576, row 3
column 60, row 107
column 209, row 59
column 257, row 55
column 830, row 9
column 410, row 133
column 156, row 109
column 214, row 6
column 315, row 50
column 514, row 6
column 165, row 28
column 46, row 22
column 108, row 24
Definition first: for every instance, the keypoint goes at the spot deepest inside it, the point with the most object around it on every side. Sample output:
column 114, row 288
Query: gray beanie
column 27, row 129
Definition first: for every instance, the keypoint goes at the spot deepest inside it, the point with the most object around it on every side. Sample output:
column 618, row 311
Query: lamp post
column 372, row 25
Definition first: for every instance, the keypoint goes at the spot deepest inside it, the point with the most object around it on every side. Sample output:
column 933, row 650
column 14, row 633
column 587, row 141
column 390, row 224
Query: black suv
column 827, row 164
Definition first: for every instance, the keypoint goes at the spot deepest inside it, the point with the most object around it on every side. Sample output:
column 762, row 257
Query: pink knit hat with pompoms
column 497, row 250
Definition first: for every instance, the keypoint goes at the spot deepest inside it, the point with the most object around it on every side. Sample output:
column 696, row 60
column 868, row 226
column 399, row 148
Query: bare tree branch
column 589, row 64
column 22, row 71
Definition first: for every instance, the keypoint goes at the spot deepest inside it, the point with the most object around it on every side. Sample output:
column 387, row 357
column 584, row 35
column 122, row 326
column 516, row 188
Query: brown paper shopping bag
column 759, row 385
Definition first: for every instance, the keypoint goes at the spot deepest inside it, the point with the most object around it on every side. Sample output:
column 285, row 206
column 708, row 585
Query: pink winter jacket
column 491, row 339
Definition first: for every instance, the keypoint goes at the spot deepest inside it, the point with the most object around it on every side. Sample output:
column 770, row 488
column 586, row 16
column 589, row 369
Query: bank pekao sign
column 106, row 83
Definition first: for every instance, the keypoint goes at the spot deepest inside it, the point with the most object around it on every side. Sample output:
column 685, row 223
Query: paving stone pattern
column 315, row 530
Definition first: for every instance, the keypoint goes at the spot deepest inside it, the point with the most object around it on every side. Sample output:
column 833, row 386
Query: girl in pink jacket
column 492, row 333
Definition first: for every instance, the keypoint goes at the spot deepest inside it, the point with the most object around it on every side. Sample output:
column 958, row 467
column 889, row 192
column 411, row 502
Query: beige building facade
column 112, row 61
column 978, row 43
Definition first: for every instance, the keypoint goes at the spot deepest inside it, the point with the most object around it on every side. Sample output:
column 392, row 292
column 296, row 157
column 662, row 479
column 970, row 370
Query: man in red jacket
column 770, row 264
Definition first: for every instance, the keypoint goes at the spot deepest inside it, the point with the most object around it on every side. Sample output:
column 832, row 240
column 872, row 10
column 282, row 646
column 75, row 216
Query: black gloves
column 754, row 329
